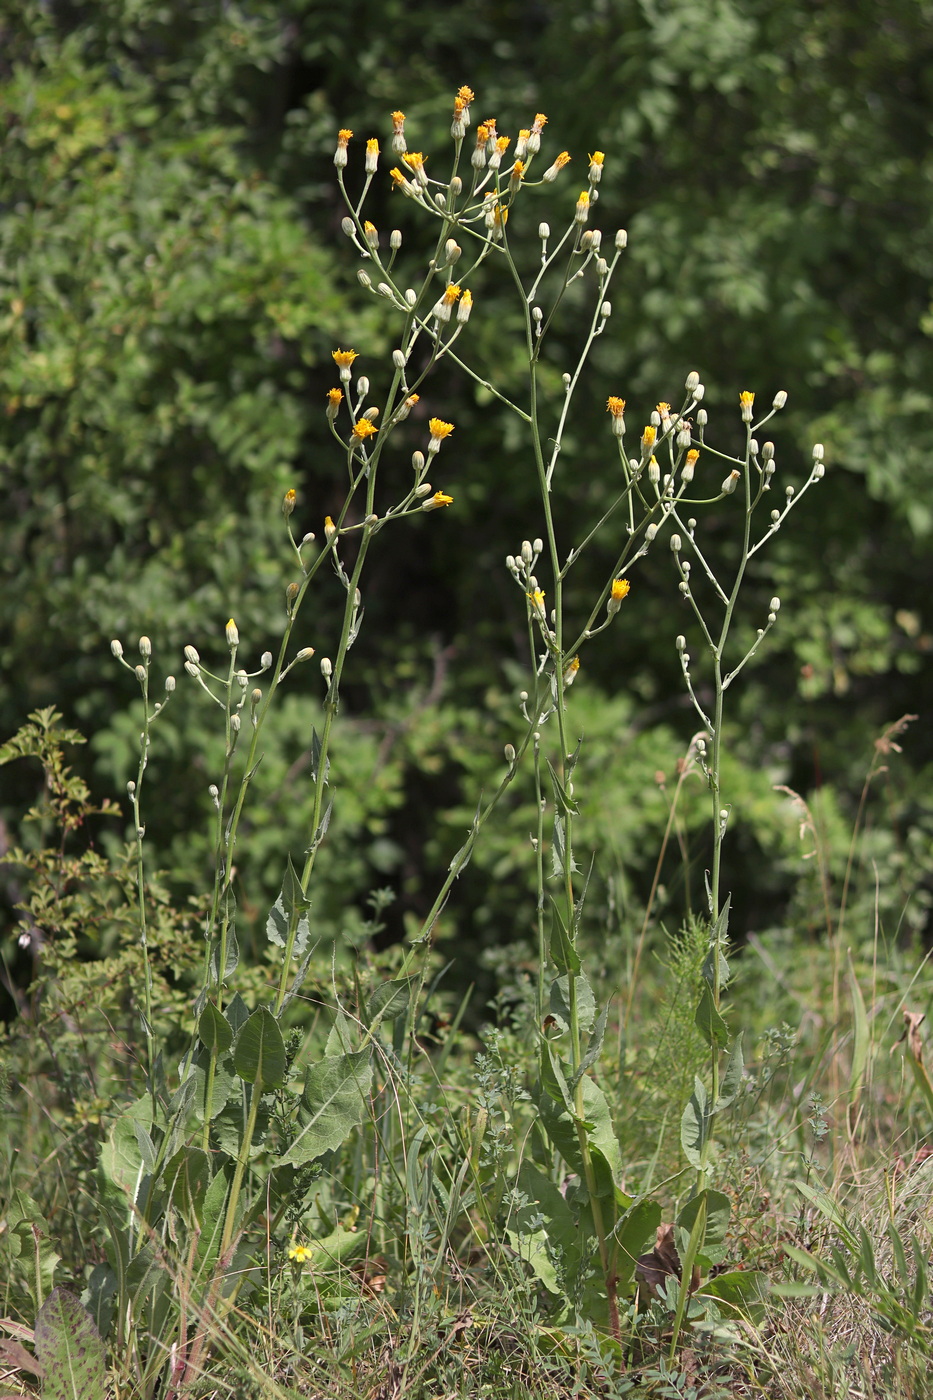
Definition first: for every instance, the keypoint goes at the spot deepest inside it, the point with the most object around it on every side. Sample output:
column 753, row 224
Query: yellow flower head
column 438, row 430
column 582, row 211
column 562, row 160
column 615, row 406
column 465, row 95
column 451, row 293
column 746, row 399
column 502, row 144
column 539, row 123
column 518, row 171
column 482, row 134
column 398, row 122
column 620, row 589
column 233, row 636
column 414, row 159
column 648, row 436
column 438, row 500
column 372, row 149
column 343, row 137
column 693, row 457
column 330, row 529
column 288, row 504
column 537, row 600
column 299, row 1253
column 597, row 158
column 334, row 400
column 364, row 429
column 664, row 409
column 523, row 135
column 570, row 670
column 343, row 359
column 372, row 155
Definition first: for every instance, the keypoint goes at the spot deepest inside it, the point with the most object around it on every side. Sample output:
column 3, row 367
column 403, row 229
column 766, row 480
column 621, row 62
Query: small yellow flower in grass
column 616, row 407
column 398, row 132
column 517, row 173
column 534, row 135
column 372, row 155
column 570, row 670
column 582, row 212
column 437, row 500
column 363, row 429
column 746, row 403
column 330, row 529
column 621, row 588
column 537, row 600
column 334, row 400
column 465, row 95
column 288, row 504
column 648, row 437
column 299, row 1254
column 664, row 409
column 438, row 430
column 539, row 123
column 690, row 462
column 596, row 167
column 499, row 147
column 465, row 307
column 478, row 159
column 343, row 140
column 371, row 233
column 554, row 170
column 443, row 306
column 233, row 636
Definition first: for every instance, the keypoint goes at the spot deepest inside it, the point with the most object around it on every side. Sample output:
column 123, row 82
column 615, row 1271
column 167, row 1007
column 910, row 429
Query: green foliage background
column 173, row 280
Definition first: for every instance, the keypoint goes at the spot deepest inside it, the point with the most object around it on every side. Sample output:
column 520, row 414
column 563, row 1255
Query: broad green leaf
column 560, row 1126
column 731, row 1081
column 335, row 1100
column 695, row 1124
column 718, row 1211
column 740, row 1293
column 259, row 1053
column 213, row 1215
column 634, row 1233
column 391, row 999
column 70, row 1349
column 560, row 1001
column 121, row 1159
column 708, row 1020
column 214, row 1030
column 187, row 1177
column 563, row 802
column 563, row 953
column 545, row 1232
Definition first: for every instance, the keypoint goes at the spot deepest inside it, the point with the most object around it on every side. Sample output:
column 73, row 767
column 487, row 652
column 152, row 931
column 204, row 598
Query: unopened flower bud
column 348, row 227
column 680, row 642
column 327, row 669
column 464, row 308
column 702, row 418
column 291, row 593
column 775, row 516
column 654, row 471
column 767, row 452
column 398, row 359
column 265, row 660
column 288, row 503
column 510, row 753
column 395, row 239
column 775, row 605
column 698, row 392
column 232, row 635
column 818, row 471
column 192, row 669
column 605, row 310
column 621, row 239
column 411, row 296
column 780, row 399
column 651, row 532
column 140, row 672
column 730, row 483
column 692, row 381
column 675, row 544
column 305, row 654
column 242, row 679
column 527, row 552
column 235, row 723
column 116, row 648
column 363, row 278
column 131, row 788
column 817, row 457
column 145, row 648
column 417, row 461
column 544, row 232
column 255, row 696
column 169, row 685
column 452, row 250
